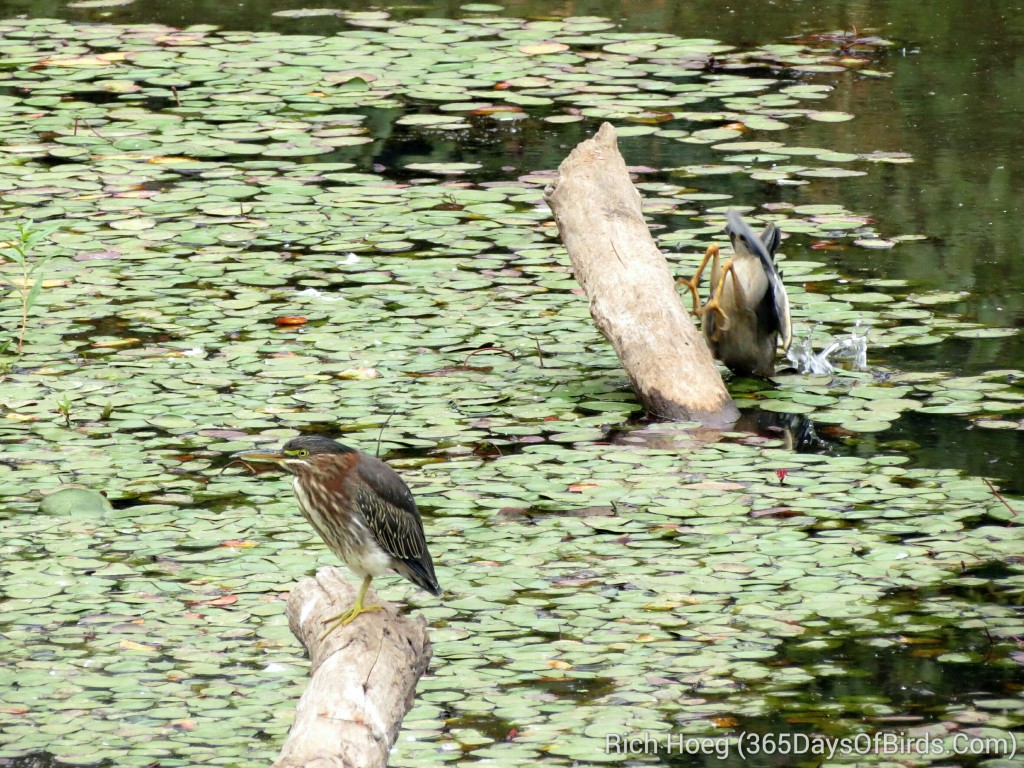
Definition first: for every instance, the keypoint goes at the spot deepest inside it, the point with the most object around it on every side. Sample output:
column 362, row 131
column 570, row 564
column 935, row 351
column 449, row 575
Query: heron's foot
column 345, row 618
column 691, row 283
column 694, row 282
column 722, row 322
column 714, row 303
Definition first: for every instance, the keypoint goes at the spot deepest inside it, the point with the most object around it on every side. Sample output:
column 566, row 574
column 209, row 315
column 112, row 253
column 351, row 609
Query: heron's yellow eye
column 301, row 453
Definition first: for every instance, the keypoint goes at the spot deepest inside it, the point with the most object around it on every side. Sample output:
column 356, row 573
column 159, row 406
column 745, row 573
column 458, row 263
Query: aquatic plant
column 20, row 249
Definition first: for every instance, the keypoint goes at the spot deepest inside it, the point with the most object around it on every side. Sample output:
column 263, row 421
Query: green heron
column 362, row 510
column 745, row 315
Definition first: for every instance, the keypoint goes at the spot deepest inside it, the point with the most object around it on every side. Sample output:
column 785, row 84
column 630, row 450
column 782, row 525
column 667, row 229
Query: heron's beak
column 260, row 457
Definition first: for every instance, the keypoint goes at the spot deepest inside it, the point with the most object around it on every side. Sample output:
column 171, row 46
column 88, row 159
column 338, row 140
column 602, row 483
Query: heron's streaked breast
column 343, row 532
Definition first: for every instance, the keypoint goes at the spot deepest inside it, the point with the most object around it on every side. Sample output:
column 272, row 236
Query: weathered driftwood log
column 633, row 298
column 362, row 681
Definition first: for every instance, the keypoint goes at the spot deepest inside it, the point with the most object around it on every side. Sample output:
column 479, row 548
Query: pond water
column 599, row 569
column 950, row 103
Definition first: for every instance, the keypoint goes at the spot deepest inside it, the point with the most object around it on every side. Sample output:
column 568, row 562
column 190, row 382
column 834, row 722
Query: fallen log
column 633, row 298
column 362, row 678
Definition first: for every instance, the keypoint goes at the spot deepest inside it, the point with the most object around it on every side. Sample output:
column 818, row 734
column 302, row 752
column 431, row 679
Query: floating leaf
column 539, row 49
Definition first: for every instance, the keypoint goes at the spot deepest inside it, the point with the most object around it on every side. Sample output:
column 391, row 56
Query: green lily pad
column 75, row 501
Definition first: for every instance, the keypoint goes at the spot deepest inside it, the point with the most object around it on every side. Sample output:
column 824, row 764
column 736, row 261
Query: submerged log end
column 633, row 298
column 716, row 413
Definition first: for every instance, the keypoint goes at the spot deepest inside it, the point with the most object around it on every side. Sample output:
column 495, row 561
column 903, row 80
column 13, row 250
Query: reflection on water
column 794, row 430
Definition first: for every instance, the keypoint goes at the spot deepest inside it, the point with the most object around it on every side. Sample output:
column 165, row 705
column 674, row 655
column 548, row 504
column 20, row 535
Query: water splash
column 853, row 347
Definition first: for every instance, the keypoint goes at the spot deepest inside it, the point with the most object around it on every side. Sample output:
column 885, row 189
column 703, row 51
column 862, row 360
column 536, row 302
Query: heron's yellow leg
column 347, row 617
column 694, row 282
column 713, row 304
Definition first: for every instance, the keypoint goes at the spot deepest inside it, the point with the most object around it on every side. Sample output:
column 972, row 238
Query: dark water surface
column 954, row 102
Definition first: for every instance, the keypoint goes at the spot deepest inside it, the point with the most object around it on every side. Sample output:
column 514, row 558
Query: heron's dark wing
column 391, row 514
column 771, row 236
column 783, row 319
column 767, row 316
column 773, row 310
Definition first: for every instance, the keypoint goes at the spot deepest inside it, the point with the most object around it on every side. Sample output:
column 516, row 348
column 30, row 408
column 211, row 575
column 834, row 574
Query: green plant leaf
column 34, row 293
column 14, row 254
